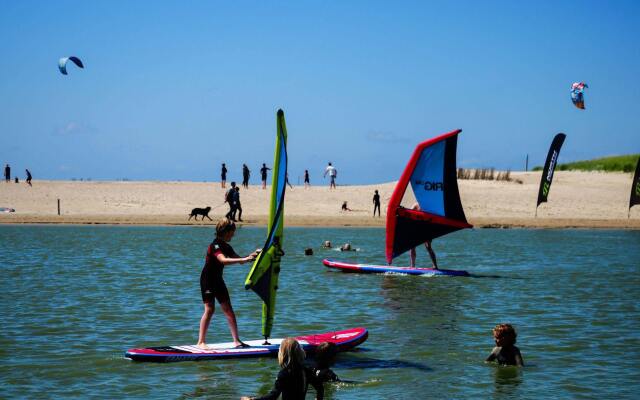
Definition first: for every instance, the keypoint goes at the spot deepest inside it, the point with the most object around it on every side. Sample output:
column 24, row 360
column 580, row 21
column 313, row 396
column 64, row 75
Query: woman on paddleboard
column 212, row 286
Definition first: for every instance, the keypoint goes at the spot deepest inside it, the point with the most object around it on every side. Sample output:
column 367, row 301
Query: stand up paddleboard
column 389, row 269
column 345, row 340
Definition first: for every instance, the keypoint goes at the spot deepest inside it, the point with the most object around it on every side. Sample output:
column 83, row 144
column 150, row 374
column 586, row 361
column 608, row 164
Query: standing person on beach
column 237, row 205
column 28, row 177
column 263, row 173
column 7, row 173
column 223, row 176
column 245, row 176
column 212, row 286
column 376, row 203
column 228, row 198
column 427, row 245
column 306, row 179
column 286, row 180
column 333, row 173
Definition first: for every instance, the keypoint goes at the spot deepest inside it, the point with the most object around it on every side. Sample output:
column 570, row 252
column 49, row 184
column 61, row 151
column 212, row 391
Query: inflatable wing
column 62, row 63
column 577, row 96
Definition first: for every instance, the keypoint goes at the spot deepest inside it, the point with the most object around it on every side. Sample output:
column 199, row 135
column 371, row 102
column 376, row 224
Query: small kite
column 576, row 94
column 62, row 63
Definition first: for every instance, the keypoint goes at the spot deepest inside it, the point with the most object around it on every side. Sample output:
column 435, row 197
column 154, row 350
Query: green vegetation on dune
column 609, row 164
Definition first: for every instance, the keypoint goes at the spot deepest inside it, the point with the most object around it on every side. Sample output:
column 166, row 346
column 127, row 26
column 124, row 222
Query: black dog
column 200, row 211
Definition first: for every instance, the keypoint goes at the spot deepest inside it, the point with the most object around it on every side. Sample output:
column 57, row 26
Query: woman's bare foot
column 203, row 346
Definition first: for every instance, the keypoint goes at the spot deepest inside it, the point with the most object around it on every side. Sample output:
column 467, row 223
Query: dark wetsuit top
column 263, row 172
column 292, row 386
column 224, row 173
column 211, row 283
column 325, row 375
column 306, row 177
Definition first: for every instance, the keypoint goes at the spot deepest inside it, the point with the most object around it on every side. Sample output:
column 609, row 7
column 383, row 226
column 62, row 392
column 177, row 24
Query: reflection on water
column 74, row 298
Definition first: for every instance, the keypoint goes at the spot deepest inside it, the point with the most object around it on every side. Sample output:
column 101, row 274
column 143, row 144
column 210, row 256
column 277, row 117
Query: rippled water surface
column 74, row 298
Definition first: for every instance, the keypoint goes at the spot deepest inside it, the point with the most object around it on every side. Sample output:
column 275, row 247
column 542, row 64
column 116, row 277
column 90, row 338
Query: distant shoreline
column 576, row 200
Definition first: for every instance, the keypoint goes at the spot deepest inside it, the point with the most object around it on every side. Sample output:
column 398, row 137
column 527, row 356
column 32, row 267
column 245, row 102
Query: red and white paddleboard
column 345, row 340
column 390, row 269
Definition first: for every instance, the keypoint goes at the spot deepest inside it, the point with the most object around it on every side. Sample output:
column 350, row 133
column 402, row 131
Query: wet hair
column 325, row 354
column 505, row 333
column 290, row 354
column 224, row 226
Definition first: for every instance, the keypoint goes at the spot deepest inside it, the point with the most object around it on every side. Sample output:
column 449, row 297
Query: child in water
column 325, row 357
column 505, row 352
column 212, row 286
column 294, row 378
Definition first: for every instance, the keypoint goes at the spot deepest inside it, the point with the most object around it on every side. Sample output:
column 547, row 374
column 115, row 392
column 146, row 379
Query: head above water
column 224, row 227
column 505, row 335
column 326, row 244
column 325, row 354
column 290, row 354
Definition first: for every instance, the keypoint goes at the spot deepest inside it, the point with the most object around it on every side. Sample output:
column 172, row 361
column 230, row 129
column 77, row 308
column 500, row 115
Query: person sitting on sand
column 505, row 352
column 345, row 207
column 326, row 244
column 212, row 286
column 294, row 378
column 427, row 244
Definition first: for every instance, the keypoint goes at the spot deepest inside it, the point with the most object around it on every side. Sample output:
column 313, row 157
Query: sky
column 172, row 89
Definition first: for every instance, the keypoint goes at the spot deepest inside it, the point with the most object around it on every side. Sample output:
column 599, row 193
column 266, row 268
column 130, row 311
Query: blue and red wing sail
column 432, row 173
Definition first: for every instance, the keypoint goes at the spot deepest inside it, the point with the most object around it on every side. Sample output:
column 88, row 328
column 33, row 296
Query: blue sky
column 173, row 89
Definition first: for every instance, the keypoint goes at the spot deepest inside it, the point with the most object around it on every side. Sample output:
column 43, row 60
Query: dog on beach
column 200, row 211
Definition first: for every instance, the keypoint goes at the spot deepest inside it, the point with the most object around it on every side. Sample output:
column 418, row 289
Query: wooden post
column 58, row 206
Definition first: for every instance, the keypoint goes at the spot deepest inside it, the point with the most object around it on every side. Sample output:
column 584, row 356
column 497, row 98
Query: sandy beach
column 577, row 199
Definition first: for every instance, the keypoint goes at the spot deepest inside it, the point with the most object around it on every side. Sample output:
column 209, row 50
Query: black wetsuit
column 325, row 375
column 223, row 175
column 245, row 176
column 7, row 173
column 306, row 177
column 293, row 386
column 263, row 172
column 236, row 204
column 228, row 197
column 376, row 204
column 211, row 283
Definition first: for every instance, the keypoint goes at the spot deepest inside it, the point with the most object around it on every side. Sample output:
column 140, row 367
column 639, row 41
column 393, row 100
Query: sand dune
column 577, row 199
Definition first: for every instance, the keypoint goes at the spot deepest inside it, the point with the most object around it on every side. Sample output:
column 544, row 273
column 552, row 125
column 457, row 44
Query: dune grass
column 625, row 163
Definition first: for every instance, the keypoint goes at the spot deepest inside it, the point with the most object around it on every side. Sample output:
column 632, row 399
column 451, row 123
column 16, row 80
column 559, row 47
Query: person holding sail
column 427, row 245
column 212, row 286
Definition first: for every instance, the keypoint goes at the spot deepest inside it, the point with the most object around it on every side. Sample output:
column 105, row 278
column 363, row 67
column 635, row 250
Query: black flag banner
column 549, row 167
column 635, row 189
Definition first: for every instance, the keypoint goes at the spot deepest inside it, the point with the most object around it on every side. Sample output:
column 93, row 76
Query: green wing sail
column 263, row 277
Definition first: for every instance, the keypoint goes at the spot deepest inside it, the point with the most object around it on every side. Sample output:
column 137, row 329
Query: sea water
column 73, row 299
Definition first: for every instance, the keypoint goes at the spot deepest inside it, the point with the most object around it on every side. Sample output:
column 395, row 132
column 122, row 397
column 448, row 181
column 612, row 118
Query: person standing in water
column 376, row 203
column 333, row 173
column 223, row 176
column 245, row 176
column 505, row 352
column 212, row 286
column 306, row 179
column 28, row 177
column 263, row 173
column 427, row 245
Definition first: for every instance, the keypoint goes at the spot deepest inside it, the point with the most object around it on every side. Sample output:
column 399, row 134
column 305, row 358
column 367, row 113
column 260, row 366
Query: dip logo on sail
column 549, row 168
column 430, row 186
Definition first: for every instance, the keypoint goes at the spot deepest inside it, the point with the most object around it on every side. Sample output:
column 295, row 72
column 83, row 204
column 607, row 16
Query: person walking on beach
column 223, row 176
column 333, row 173
column 427, row 245
column 7, row 173
column 306, row 179
column 28, row 177
column 228, row 198
column 263, row 173
column 376, row 203
column 212, row 286
column 237, row 205
column 245, row 176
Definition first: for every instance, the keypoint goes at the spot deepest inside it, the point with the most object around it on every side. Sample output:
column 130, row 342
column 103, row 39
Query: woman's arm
column 236, row 260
